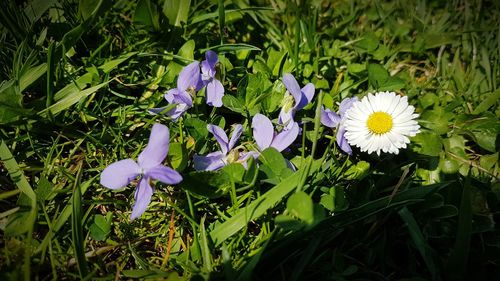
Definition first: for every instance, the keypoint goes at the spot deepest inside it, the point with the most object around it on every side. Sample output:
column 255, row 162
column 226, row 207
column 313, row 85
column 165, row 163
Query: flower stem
column 317, row 124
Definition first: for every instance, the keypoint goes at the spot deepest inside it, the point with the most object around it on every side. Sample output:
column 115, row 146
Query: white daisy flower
column 381, row 122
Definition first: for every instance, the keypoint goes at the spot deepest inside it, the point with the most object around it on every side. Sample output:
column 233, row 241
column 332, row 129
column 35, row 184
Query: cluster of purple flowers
column 190, row 80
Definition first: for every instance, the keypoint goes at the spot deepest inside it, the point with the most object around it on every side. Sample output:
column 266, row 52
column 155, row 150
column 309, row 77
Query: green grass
column 77, row 78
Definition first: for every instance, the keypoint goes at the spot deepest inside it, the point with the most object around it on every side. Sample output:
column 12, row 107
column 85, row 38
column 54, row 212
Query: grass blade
column 457, row 263
column 419, row 240
column 222, row 20
column 70, row 100
column 205, row 250
column 76, row 225
column 10, row 164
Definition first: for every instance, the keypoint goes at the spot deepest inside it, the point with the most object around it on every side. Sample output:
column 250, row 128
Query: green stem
column 317, row 124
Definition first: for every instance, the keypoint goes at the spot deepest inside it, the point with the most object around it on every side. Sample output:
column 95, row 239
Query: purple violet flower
column 149, row 167
column 188, row 83
column 214, row 88
column 332, row 120
column 265, row 136
column 301, row 97
column 218, row 159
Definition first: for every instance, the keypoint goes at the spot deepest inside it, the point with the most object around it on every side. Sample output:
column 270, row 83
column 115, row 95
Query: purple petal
column 329, row 118
column 184, row 97
column 164, row 174
column 346, row 104
column 189, row 76
column 307, row 96
column 293, row 87
column 171, row 94
column 263, row 131
column 207, row 73
column 157, row 148
column 286, row 137
column 286, row 118
column 220, row 136
column 308, row 91
column 211, row 58
column 290, row 165
column 235, row 136
column 143, row 195
column 215, row 92
column 179, row 97
column 120, row 173
column 156, row 110
column 244, row 156
column 213, row 161
column 342, row 141
column 177, row 111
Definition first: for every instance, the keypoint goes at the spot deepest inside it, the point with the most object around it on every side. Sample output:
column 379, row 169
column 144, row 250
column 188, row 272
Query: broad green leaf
column 428, row 100
column 273, row 164
column 328, row 201
column 377, row 75
column 356, row 68
column 236, row 171
column 101, row 226
column 301, row 206
column 174, row 68
column 146, row 14
column 176, row 11
column 487, row 139
column 393, row 83
column 484, row 130
column 448, row 165
column 358, row 171
column 273, row 100
column 368, row 43
column 87, row 7
column 43, row 190
column 251, row 170
column 177, row 156
column 427, row 143
column 196, row 128
column 10, row 102
column 207, row 183
column 233, row 103
column 437, row 120
column 489, row 161
column 257, row 85
column 187, row 50
column 289, row 223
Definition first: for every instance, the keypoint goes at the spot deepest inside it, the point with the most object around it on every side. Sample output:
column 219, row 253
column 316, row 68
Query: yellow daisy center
column 379, row 122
